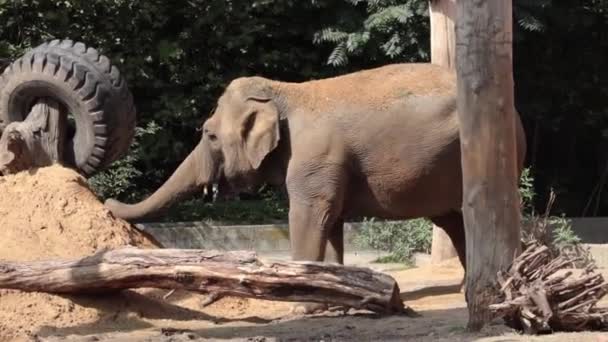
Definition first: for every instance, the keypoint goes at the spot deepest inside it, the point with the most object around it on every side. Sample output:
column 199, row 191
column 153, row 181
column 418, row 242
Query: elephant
column 381, row 142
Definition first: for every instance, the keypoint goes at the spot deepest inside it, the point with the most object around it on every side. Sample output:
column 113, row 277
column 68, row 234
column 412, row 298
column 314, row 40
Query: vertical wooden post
column 442, row 14
column 484, row 67
column 442, row 247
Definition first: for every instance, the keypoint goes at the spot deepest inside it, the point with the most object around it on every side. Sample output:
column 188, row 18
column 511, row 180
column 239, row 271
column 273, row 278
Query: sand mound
column 50, row 213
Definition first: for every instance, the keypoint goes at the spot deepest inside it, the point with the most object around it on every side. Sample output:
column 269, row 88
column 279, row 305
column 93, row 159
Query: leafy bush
column 538, row 226
column 118, row 181
column 526, row 191
column 400, row 238
column 179, row 55
column 382, row 31
column 271, row 207
column 563, row 235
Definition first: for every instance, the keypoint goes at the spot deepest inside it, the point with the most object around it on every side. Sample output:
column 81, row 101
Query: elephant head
column 236, row 139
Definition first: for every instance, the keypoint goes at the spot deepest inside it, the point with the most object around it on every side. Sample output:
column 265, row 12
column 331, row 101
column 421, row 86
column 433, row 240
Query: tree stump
column 37, row 141
column 219, row 274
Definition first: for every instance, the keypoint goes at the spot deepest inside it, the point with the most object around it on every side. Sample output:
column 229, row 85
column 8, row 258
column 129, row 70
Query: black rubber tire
column 90, row 88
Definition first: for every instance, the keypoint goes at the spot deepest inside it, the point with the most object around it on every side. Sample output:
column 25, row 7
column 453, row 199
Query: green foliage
column 271, row 207
column 381, row 31
column 563, row 235
column 118, row 180
column 538, row 226
column 401, row 239
column 179, row 55
column 526, row 191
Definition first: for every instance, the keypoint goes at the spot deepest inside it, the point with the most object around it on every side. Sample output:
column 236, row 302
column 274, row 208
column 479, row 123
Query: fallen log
column 216, row 273
column 544, row 292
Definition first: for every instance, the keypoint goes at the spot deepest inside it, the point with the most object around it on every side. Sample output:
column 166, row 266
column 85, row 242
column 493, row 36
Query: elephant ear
column 261, row 131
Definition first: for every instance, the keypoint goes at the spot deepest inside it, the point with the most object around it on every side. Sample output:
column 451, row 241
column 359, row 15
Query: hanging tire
column 90, row 88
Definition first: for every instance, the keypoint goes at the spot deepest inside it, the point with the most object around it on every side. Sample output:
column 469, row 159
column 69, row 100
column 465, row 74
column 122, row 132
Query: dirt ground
column 50, row 213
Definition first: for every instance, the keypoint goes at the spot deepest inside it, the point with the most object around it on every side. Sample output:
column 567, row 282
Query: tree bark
column 37, row 141
column 442, row 14
column 239, row 274
column 488, row 143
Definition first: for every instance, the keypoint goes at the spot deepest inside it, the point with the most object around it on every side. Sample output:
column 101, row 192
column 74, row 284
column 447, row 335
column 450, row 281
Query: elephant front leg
column 310, row 226
column 315, row 235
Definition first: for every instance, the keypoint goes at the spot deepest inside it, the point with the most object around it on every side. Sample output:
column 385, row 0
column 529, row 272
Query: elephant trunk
column 196, row 171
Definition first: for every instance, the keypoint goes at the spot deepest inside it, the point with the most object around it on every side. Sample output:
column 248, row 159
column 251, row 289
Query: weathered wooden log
column 219, row 274
column 37, row 141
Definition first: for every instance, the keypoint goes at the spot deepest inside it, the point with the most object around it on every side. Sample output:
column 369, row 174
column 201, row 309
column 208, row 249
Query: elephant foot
column 312, row 308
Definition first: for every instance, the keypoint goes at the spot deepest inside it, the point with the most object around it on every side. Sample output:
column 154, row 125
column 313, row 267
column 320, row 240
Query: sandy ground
column 51, row 213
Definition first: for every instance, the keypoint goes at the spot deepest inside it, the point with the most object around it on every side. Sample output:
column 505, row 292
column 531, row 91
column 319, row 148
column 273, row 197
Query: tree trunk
column 443, row 38
column 488, row 143
column 443, row 52
column 37, row 141
column 217, row 273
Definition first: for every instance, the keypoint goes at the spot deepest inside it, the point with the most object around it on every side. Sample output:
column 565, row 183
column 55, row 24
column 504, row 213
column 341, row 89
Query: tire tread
column 97, row 84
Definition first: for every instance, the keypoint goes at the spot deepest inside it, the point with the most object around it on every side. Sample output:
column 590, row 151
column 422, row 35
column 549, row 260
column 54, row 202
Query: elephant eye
column 211, row 136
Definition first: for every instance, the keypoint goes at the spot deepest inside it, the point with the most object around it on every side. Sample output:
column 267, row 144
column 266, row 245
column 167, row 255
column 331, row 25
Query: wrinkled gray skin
column 381, row 142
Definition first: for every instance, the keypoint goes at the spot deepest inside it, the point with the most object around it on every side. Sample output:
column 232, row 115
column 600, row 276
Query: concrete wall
column 275, row 237
column 206, row 235
column 592, row 230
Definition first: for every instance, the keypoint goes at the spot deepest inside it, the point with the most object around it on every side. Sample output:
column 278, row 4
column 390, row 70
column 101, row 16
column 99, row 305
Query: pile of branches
column 545, row 292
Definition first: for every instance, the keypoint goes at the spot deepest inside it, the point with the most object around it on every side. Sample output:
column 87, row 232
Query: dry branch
column 239, row 274
column 539, row 295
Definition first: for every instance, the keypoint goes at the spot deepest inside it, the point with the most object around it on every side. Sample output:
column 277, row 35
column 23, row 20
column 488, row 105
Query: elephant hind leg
column 453, row 224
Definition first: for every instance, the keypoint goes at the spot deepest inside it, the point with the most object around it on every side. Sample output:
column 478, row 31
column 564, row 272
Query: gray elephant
column 382, row 142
